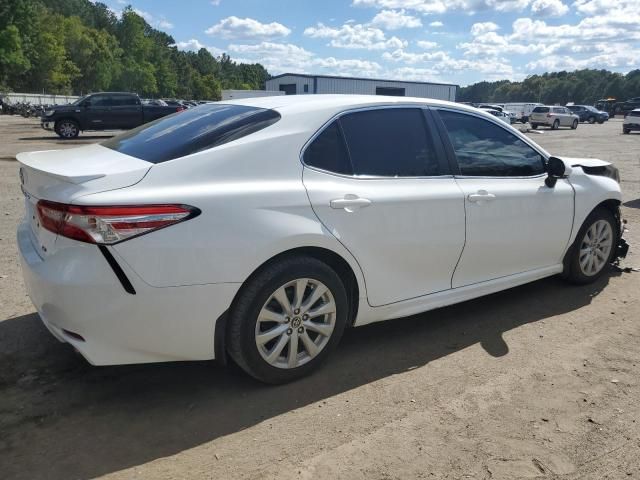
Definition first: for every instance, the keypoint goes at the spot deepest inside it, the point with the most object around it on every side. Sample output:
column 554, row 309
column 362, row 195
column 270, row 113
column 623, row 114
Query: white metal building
column 296, row 84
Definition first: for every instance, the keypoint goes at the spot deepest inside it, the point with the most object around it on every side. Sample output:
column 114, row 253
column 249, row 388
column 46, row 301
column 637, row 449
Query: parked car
column 263, row 227
column 102, row 111
column 631, row 121
column 587, row 113
column 554, row 117
column 521, row 111
column 504, row 116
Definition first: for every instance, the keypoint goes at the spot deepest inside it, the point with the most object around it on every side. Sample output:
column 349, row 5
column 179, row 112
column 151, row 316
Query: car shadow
column 632, row 203
column 62, row 418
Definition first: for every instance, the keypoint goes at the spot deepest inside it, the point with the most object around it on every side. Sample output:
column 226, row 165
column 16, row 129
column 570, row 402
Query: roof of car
column 321, row 101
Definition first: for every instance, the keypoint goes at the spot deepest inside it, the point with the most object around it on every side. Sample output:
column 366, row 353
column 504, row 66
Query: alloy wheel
column 595, row 248
column 295, row 323
column 68, row 129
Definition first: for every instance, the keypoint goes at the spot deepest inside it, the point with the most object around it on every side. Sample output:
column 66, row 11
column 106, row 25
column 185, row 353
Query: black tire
column 67, row 129
column 574, row 125
column 256, row 292
column 591, row 120
column 600, row 122
column 534, row 126
column 572, row 269
column 626, row 131
column 556, row 125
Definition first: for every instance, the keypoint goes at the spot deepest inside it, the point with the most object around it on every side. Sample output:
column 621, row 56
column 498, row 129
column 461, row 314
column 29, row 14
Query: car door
column 98, row 113
column 126, row 112
column 378, row 181
column 515, row 223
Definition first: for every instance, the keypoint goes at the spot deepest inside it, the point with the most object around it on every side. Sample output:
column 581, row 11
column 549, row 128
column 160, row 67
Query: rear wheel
column 593, row 249
column 574, row 125
column 534, row 126
column 67, row 129
column 626, row 131
column 287, row 319
column 555, row 125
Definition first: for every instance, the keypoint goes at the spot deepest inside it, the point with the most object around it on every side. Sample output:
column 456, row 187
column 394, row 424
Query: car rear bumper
column 82, row 302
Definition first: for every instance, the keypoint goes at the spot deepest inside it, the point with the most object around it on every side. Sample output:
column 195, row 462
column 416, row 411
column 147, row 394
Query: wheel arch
column 337, row 262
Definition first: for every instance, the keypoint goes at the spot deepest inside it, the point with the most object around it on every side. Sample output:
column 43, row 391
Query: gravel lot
column 540, row 381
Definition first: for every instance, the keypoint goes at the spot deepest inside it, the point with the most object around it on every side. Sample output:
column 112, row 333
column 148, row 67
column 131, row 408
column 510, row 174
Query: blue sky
column 457, row 41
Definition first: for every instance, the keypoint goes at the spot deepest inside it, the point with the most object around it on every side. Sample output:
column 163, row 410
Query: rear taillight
column 108, row 225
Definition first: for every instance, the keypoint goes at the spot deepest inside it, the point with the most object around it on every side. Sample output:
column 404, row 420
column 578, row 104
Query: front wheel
column 534, row 126
column 593, row 249
column 574, row 125
column 287, row 319
column 626, row 131
column 591, row 120
column 67, row 129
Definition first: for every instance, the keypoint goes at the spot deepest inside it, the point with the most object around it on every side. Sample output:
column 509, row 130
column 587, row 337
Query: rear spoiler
column 40, row 163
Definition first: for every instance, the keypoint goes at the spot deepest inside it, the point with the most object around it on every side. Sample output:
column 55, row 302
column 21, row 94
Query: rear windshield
column 191, row 131
column 541, row 110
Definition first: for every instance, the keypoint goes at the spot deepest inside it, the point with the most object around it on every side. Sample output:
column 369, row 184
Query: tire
column 574, row 125
column 556, row 124
column 626, row 131
column 256, row 311
column 591, row 120
column 600, row 122
column 575, row 270
column 534, row 126
column 67, row 129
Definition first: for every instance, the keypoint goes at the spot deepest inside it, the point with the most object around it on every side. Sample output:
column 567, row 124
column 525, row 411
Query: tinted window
column 124, row 100
column 541, row 110
column 100, row 101
column 328, row 151
column 390, row 142
column 191, row 131
column 634, row 114
column 559, row 110
column 487, row 150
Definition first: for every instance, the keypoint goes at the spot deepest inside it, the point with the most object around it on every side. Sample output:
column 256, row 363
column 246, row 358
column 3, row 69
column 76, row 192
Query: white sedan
column 262, row 228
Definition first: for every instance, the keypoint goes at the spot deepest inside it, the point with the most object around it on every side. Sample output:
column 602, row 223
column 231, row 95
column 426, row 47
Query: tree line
column 77, row 47
column 581, row 87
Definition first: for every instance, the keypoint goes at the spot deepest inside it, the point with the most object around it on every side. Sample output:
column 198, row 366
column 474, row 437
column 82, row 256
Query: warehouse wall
column 363, row 86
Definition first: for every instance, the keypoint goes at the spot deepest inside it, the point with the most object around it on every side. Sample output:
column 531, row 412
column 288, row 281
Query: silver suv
column 553, row 117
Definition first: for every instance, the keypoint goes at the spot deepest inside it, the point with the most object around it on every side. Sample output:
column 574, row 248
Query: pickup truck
column 102, row 111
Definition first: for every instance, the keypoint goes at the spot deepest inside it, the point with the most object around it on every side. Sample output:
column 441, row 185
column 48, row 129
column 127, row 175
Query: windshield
column 191, row 131
column 78, row 101
column 591, row 109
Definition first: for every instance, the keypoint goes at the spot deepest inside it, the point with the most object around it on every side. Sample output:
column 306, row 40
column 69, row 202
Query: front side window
column 100, row 101
column 484, row 149
column 191, row 131
column 390, row 142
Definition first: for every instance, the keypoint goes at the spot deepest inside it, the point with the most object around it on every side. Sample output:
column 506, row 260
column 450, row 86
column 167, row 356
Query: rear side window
column 541, row 110
column 484, row 149
column 391, row 142
column 191, row 131
column 328, row 151
column 634, row 114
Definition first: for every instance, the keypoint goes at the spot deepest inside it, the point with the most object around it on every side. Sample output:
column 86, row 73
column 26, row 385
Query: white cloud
column 436, row 24
column 548, row 8
column 234, row 27
column 442, row 6
column 426, row 45
column 483, row 27
column 193, row 45
column 355, row 36
column 215, row 3
column 395, row 20
column 286, row 57
column 153, row 21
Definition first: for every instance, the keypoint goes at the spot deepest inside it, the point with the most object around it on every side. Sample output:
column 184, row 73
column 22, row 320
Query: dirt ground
column 541, row 381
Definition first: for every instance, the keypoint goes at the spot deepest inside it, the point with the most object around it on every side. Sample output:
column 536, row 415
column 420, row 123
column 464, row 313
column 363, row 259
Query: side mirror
column 555, row 169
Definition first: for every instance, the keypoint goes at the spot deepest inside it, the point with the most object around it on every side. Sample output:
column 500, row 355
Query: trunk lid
column 65, row 175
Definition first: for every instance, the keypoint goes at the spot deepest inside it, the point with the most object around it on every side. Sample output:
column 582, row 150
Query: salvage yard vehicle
column 589, row 114
column 504, row 116
column 631, row 121
column 553, row 117
column 261, row 228
column 102, row 111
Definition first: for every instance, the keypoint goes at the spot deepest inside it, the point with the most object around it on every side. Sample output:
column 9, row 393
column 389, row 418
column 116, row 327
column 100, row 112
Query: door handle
column 350, row 203
column 481, row 196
